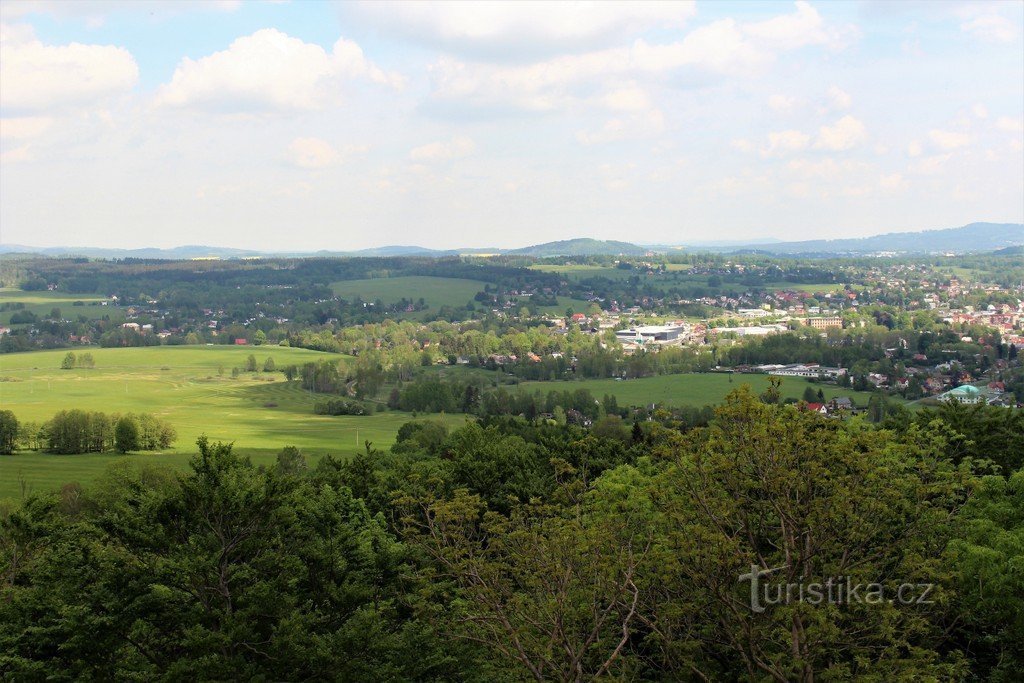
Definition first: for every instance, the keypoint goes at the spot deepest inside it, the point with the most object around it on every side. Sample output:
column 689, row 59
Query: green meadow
column 42, row 303
column 436, row 291
column 696, row 389
column 260, row 412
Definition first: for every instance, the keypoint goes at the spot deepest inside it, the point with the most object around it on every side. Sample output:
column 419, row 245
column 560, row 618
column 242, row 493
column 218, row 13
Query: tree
column 548, row 588
column 291, row 461
column 69, row 361
column 805, row 500
column 126, row 434
column 250, row 363
column 260, row 338
column 86, row 361
column 268, row 365
column 810, row 395
column 8, row 432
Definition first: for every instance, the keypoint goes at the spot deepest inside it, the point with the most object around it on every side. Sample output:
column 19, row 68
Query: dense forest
column 511, row 550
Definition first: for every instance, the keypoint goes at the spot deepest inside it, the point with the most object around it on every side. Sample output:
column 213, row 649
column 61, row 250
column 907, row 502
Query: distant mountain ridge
column 573, row 247
column 975, row 237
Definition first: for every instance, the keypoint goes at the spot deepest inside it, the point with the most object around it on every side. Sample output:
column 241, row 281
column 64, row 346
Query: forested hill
column 582, row 247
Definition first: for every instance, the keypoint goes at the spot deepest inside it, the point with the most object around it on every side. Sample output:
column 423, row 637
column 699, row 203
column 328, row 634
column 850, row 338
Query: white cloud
column 268, row 71
column 948, row 139
column 17, row 155
column 781, row 103
column 96, row 12
column 801, row 28
column 24, row 127
column 980, row 110
column 1010, row 125
column 914, row 149
column 444, row 150
column 629, row 98
column 892, row 182
column 838, row 99
column 39, row 77
column 635, row 126
column 785, row 142
column 721, row 49
column 991, row 28
column 931, row 165
column 828, row 169
column 311, row 153
column 847, row 133
column 503, row 31
column 743, row 145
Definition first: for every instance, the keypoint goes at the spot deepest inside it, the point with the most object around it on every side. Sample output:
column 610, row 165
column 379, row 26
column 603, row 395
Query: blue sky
column 319, row 125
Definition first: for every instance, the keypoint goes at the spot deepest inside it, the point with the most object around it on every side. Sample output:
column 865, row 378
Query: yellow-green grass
column 436, row 291
column 259, row 412
column 44, row 297
column 41, row 303
column 804, row 287
column 695, row 389
column 584, row 272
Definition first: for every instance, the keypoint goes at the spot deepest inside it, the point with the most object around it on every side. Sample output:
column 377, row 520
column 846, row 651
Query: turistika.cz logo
column 840, row 590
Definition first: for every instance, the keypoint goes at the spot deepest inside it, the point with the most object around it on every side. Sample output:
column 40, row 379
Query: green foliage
column 511, row 549
column 126, row 434
column 8, row 432
column 340, row 406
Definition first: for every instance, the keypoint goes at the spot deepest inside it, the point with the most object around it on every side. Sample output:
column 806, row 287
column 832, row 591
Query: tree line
column 80, row 431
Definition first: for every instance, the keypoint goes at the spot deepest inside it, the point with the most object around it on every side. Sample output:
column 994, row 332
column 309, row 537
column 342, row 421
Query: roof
column 966, row 389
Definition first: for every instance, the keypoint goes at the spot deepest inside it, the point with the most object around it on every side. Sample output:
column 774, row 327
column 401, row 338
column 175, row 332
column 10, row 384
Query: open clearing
column 41, row 303
column 259, row 412
column 696, row 389
column 436, row 291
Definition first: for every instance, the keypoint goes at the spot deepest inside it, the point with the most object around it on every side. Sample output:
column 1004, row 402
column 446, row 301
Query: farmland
column 692, row 389
column 42, row 303
column 259, row 412
column 437, row 291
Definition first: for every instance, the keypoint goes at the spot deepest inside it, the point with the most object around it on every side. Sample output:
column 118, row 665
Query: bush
column 340, row 406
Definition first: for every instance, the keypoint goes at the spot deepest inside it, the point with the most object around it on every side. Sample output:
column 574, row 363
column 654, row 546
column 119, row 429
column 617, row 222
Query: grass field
column 691, row 389
column 259, row 412
column 41, row 303
column 437, row 291
column 804, row 287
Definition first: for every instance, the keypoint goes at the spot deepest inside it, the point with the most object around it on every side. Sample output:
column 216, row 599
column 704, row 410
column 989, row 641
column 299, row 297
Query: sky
column 320, row 125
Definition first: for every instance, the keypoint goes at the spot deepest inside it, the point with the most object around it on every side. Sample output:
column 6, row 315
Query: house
column 840, row 403
column 967, row 394
column 241, row 342
column 825, row 323
column 815, row 408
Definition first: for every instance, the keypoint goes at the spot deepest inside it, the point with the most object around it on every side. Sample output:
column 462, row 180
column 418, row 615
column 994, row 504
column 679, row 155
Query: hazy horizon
column 336, row 126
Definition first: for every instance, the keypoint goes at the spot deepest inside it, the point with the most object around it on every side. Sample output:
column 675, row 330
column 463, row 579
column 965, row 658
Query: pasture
column 695, row 389
column 436, row 291
column 260, row 412
column 42, row 303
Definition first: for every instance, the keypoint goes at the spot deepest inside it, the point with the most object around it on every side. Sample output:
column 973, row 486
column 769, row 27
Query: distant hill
column 184, row 252
column 969, row 238
column 976, row 237
column 583, row 246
